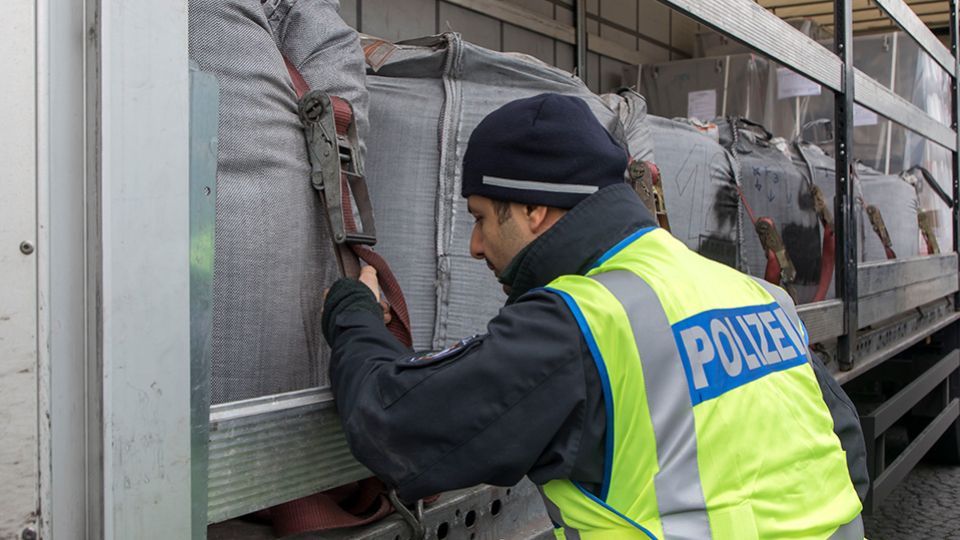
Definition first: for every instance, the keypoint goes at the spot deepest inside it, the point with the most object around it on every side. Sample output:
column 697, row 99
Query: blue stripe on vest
column 621, row 245
column 725, row 349
column 604, row 381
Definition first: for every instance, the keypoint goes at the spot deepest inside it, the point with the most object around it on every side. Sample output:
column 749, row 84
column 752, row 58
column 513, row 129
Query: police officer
column 649, row 392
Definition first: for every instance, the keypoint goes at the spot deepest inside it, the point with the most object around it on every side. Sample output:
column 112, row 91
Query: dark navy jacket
column 522, row 399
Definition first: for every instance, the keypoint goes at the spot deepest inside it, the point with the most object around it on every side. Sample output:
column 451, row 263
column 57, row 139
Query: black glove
column 347, row 295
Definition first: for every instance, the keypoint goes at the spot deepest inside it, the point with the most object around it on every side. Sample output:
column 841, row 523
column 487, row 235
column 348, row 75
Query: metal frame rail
column 277, row 448
column 876, row 423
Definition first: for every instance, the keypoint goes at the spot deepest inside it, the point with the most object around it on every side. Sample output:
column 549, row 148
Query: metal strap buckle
column 414, row 518
column 821, row 207
column 335, row 166
column 770, row 240
column 641, row 183
column 925, row 219
column 879, row 227
column 645, row 178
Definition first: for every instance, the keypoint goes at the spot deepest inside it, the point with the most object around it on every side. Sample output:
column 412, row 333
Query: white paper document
column 702, row 105
column 790, row 84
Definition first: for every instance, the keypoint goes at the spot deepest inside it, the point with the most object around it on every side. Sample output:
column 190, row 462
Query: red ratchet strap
column 880, row 228
column 351, row 242
column 644, row 177
column 340, row 172
column 350, row 505
column 926, row 220
column 876, row 219
column 829, row 244
column 779, row 270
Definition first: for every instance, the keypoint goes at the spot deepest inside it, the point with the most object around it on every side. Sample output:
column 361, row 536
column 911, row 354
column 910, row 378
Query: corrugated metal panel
column 396, row 20
column 275, row 449
column 611, row 74
column 542, row 7
column 564, row 54
column 474, row 27
column 655, row 20
column 683, row 33
column 619, row 37
column 622, row 12
column 348, row 10
column 516, row 39
column 593, row 72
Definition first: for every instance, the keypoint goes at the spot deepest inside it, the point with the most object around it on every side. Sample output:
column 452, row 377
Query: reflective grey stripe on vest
column 782, row 298
column 850, row 531
column 680, row 500
column 854, row 529
column 557, row 518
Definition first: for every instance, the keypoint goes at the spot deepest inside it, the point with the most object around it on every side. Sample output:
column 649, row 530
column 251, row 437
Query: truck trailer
column 128, row 411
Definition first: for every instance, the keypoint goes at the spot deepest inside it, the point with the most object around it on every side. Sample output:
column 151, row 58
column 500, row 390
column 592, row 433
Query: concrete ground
column 925, row 506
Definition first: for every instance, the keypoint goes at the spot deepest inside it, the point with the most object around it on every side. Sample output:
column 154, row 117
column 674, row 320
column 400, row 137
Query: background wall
column 621, row 32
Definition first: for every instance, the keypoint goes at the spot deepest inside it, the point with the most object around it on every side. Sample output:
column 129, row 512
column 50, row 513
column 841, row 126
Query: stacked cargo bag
column 426, row 97
column 631, row 110
column 779, row 204
column 818, row 170
column 274, row 254
column 892, row 208
column 888, row 205
column 326, row 52
column 699, row 190
column 642, row 174
column 932, row 204
column 273, row 251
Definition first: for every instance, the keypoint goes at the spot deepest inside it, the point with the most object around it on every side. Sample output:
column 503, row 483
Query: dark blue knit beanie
column 546, row 150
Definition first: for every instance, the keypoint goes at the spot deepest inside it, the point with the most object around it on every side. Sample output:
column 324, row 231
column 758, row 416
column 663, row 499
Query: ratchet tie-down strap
column 337, row 171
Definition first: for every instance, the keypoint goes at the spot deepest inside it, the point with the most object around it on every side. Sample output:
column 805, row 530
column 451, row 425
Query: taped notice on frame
column 863, row 116
column 702, row 104
column 790, row 84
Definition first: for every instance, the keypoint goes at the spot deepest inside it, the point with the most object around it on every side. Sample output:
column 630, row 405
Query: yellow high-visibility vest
column 716, row 427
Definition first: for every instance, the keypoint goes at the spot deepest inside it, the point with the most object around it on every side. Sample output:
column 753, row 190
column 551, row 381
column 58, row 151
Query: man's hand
column 368, row 276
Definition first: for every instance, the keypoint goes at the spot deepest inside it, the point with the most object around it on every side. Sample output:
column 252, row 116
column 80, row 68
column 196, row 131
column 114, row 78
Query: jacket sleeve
column 497, row 407
column 846, row 424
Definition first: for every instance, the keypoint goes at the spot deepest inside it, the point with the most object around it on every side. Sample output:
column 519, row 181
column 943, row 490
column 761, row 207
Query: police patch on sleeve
column 451, row 352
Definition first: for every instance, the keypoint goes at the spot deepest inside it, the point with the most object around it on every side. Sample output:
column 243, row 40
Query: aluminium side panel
column 19, row 498
column 70, row 491
column 145, row 309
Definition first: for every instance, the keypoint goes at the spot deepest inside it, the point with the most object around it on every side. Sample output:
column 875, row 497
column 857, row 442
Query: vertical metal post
column 204, row 98
column 580, row 25
column 955, row 123
column 846, row 222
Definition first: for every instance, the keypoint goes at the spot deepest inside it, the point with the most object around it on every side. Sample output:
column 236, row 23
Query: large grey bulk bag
column 631, row 110
column 774, row 186
column 699, row 190
column 323, row 49
column 894, row 198
column 426, row 97
column 273, row 255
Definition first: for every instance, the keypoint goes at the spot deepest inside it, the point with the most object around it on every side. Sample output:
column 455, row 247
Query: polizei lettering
column 728, row 348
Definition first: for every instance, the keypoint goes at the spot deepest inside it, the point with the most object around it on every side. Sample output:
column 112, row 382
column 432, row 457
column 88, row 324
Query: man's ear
column 536, row 218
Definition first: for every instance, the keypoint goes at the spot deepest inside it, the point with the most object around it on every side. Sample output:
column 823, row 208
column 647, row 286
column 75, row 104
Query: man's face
column 495, row 239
